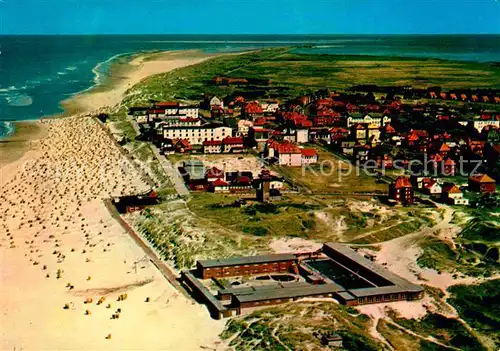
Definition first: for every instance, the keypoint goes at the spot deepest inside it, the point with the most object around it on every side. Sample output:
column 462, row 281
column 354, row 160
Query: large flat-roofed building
column 249, row 265
column 385, row 285
column 268, row 297
column 196, row 135
column 339, row 272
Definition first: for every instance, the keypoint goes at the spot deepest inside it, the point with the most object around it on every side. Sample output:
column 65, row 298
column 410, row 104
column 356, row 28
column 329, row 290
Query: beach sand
column 60, row 247
column 16, row 145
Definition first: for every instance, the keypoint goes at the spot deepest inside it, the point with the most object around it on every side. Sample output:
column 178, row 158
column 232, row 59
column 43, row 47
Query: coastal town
column 442, row 151
column 339, row 218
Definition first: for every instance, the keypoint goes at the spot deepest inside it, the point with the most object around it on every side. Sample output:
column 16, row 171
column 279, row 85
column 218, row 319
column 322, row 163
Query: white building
column 371, row 122
column 244, row 126
column 181, row 121
column 215, row 101
column 270, row 106
column 188, row 111
column 197, row 134
column 454, row 196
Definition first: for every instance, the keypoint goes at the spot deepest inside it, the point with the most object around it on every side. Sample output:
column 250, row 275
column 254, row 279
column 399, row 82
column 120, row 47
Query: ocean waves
column 6, row 129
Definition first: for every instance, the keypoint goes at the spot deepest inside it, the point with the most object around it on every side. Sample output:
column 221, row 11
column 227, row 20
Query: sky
column 249, row 17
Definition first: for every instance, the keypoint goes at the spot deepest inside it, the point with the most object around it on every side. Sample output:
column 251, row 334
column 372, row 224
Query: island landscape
column 262, row 199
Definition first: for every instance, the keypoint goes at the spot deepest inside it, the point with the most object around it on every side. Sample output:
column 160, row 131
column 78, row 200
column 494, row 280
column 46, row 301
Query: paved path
column 171, row 173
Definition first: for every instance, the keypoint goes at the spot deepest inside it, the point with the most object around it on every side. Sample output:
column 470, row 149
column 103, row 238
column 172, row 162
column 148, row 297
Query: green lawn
column 333, row 175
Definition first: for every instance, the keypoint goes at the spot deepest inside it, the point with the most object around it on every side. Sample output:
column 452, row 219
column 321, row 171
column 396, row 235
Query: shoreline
column 128, row 70
column 14, row 146
column 60, row 236
column 121, row 76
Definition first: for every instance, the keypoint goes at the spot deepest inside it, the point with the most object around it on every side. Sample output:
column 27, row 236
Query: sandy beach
column 71, row 277
column 128, row 75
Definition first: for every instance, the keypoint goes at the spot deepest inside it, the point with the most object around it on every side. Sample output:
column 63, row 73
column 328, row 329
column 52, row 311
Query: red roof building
column 213, row 174
column 309, row 152
column 402, row 191
column 444, row 150
column 253, row 109
column 482, row 183
column 212, row 146
column 450, row 167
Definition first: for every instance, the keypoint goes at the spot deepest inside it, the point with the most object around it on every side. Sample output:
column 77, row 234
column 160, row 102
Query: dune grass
column 291, row 74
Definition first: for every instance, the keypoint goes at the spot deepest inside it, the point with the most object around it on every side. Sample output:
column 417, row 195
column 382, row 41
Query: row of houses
column 402, row 190
column 198, row 177
column 372, row 130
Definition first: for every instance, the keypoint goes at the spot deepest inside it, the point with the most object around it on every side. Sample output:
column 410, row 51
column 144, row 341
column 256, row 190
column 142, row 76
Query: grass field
column 279, row 328
column 479, row 306
column 292, row 74
column 333, row 175
column 308, row 217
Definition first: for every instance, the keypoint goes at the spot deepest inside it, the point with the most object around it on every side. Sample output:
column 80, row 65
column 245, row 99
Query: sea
column 38, row 72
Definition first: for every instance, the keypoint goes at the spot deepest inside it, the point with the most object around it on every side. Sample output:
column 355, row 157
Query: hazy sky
column 249, row 16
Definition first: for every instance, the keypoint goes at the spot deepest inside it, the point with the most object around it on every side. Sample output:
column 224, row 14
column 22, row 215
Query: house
column 285, row 153
column 181, row 145
column 388, row 131
column 167, row 146
column 450, row 167
column 253, row 109
column 385, row 161
column 347, row 146
column 320, row 135
column 432, row 187
column 172, row 108
column 133, row 203
column 361, row 153
column 193, row 172
column 309, row 156
column 360, row 133
column 479, row 124
column 402, row 191
column 444, row 150
column 332, row 340
column 232, row 145
column 289, row 154
column 452, row 195
column 482, row 183
column 212, row 147
column 244, row 127
column 219, row 186
column 418, row 181
column 241, row 184
column 298, row 134
column 270, row 107
column 213, row 174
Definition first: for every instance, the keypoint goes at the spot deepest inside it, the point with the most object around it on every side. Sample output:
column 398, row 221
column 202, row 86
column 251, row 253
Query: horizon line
column 263, row 34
